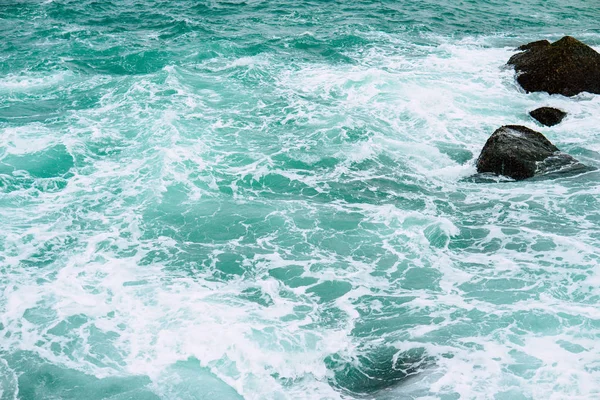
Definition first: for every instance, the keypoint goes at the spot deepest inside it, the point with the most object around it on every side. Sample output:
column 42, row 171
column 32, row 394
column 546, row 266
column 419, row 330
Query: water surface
column 271, row 200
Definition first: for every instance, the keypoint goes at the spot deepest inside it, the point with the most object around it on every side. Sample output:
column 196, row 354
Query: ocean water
column 274, row 200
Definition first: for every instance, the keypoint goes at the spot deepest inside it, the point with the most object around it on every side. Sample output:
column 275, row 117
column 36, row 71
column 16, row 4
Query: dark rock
column 566, row 67
column 548, row 116
column 519, row 153
column 539, row 43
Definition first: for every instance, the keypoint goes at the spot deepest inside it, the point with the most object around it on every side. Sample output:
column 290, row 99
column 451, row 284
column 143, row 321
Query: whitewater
column 275, row 200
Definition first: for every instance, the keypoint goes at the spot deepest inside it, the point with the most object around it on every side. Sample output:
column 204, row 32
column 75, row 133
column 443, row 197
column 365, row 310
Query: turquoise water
column 272, row 200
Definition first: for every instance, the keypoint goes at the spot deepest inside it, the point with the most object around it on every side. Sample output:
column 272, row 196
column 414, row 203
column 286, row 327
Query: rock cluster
column 567, row 67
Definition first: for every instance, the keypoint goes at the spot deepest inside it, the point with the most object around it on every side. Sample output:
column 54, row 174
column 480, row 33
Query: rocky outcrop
column 566, row 67
column 519, row 153
column 548, row 116
column 539, row 43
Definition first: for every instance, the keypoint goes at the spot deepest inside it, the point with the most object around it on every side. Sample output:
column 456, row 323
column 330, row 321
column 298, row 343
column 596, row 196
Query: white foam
column 19, row 83
column 160, row 313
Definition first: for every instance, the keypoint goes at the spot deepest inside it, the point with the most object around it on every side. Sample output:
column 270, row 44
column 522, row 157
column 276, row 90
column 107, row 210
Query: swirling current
column 273, row 200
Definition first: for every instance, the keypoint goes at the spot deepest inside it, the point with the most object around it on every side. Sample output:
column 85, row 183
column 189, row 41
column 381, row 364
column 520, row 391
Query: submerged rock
column 566, row 67
column 519, row 153
column 548, row 116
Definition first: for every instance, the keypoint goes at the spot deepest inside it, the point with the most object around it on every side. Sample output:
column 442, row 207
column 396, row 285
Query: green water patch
column 458, row 153
column 10, row 184
column 46, row 252
column 46, row 171
column 121, row 61
column 421, row 278
column 36, row 110
column 374, row 370
column 289, row 161
column 39, row 315
column 67, row 325
column 501, row 291
column 329, row 290
column 310, row 48
column 292, row 276
column 210, row 221
column 53, row 162
column 40, row 379
column 189, row 380
column 256, row 295
column 388, row 316
column 437, row 235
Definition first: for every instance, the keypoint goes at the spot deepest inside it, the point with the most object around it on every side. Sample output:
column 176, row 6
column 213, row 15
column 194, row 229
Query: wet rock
column 548, row 116
column 539, row 43
column 519, row 153
column 566, row 67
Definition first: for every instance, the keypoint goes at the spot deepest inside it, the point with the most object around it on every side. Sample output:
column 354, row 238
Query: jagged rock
column 519, row 153
column 566, row 67
column 548, row 116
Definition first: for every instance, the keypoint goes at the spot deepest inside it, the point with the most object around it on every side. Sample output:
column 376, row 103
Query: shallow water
column 260, row 200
